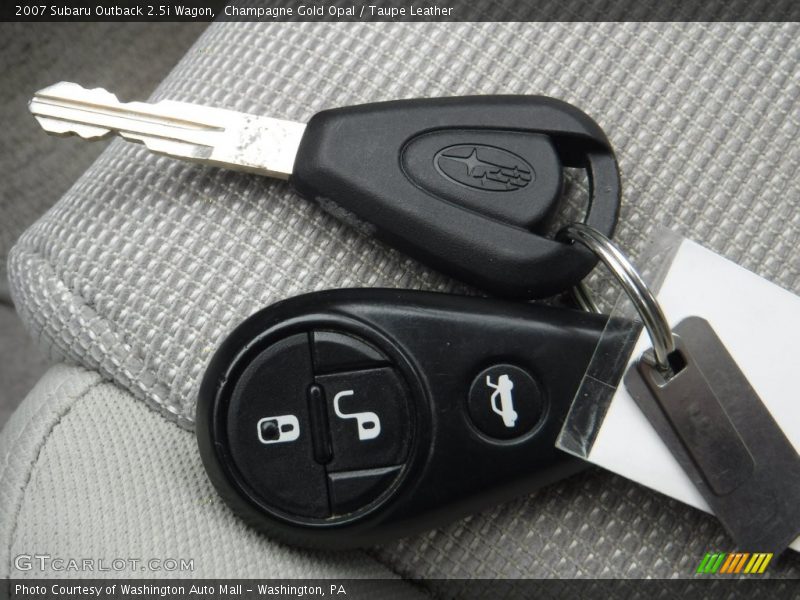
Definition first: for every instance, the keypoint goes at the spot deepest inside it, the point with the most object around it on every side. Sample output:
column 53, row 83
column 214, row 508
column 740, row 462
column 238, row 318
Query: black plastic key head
column 467, row 185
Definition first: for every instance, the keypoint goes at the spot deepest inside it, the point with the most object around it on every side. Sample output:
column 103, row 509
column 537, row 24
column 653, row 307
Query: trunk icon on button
column 505, row 401
column 502, row 390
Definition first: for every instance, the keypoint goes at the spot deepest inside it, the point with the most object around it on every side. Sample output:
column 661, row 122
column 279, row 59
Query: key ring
column 632, row 284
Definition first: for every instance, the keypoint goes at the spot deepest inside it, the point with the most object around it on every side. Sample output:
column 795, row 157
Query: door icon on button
column 275, row 430
column 369, row 425
column 502, row 392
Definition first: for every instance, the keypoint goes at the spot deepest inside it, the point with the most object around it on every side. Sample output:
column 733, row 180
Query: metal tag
column 725, row 439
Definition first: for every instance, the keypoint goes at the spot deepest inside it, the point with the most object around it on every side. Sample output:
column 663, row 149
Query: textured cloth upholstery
column 145, row 264
column 21, row 363
column 37, row 169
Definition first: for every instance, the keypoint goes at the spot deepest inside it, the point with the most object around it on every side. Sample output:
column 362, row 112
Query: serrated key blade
column 197, row 133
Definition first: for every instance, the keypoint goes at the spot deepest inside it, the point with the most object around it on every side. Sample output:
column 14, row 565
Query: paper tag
column 759, row 324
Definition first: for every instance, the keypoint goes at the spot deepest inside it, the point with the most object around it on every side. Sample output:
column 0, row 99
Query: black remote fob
column 346, row 418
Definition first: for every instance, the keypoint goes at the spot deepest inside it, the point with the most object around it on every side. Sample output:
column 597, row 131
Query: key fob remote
column 346, row 418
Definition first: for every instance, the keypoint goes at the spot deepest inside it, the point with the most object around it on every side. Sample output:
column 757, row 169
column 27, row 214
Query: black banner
column 249, row 589
column 398, row 10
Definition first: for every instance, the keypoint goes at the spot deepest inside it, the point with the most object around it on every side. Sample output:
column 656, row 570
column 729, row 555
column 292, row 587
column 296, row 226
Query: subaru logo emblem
column 484, row 167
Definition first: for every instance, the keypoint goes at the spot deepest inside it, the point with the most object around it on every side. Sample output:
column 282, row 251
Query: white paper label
column 758, row 322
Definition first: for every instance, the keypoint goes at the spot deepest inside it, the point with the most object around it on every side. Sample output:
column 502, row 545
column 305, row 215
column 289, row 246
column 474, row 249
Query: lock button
column 369, row 418
column 269, row 433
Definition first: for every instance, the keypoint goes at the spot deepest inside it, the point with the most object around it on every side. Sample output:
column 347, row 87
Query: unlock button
column 369, row 418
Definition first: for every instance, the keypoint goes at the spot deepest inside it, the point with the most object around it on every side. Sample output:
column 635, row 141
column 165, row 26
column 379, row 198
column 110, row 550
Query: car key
column 346, row 418
column 465, row 184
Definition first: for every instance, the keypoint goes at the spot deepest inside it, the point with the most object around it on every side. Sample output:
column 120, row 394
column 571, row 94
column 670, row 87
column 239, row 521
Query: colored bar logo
column 734, row 563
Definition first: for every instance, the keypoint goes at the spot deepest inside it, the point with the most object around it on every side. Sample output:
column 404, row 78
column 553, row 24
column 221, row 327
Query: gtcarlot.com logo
column 734, row 563
column 46, row 562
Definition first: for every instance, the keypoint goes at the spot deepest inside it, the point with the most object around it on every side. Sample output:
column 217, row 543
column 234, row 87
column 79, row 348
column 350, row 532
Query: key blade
column 192, row 132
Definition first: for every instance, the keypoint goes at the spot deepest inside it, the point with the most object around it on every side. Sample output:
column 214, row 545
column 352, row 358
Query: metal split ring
column 632, row 283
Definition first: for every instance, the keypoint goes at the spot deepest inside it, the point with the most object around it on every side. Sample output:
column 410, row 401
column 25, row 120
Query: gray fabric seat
column 143, row 266
column 37, row 169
